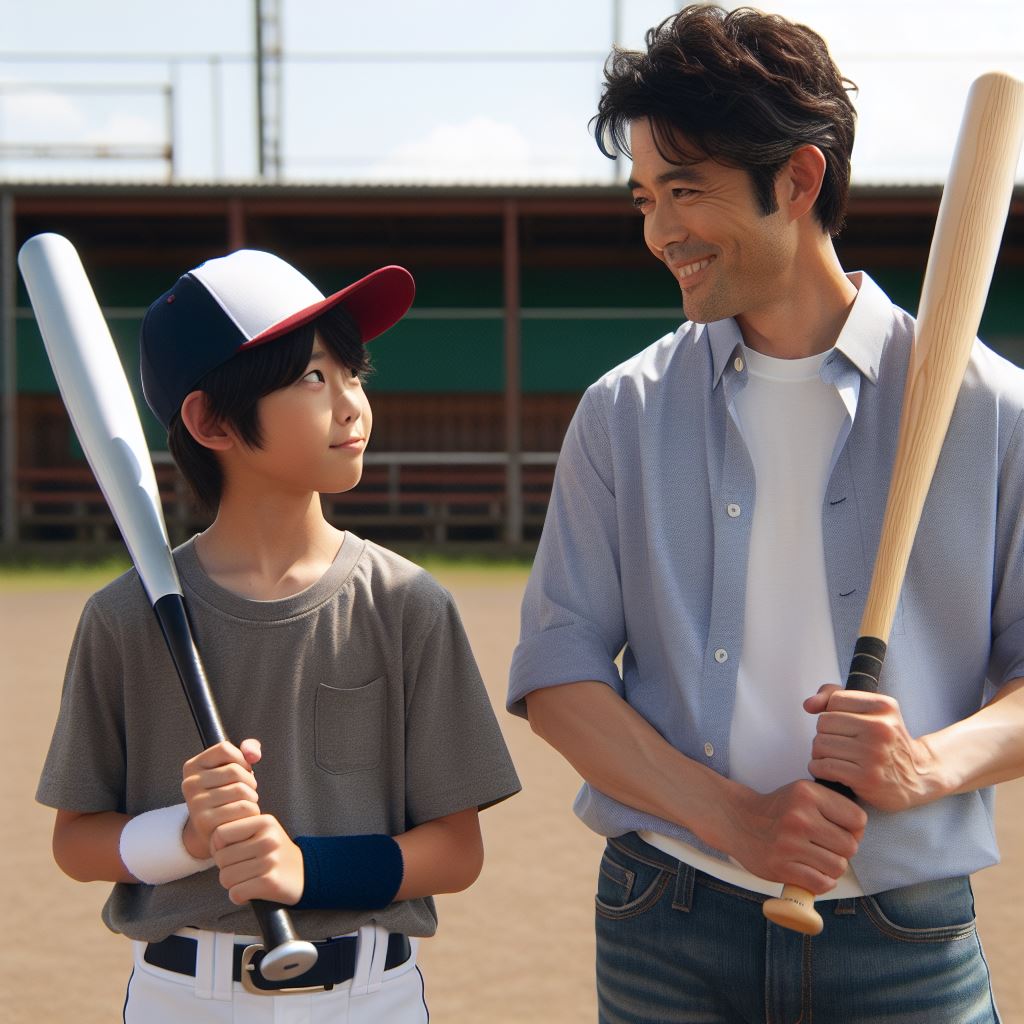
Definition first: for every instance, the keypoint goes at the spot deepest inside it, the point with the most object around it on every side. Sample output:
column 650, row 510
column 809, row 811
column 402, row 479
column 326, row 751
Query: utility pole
column 619, row 164
column 269, row 47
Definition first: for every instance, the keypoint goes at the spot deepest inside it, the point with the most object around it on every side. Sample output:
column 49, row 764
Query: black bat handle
column 285, row 955
column 865, row 673
column 173, row 619
column 795, row 907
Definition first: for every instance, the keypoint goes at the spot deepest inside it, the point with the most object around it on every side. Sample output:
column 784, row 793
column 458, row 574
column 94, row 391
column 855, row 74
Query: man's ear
column 800, row 180
column 205, row 428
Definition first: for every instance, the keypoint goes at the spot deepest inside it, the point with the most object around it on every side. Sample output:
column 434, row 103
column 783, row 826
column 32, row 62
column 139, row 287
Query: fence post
column 8, row 353
column 513, row 377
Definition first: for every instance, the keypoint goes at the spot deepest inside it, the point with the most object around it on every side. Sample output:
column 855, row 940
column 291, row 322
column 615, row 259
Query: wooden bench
column 425, row 501
column 69, row 497
column 439, row 498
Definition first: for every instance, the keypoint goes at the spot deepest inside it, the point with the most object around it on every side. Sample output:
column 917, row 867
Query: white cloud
column 480, row 149
column 131, row 128
column 39, row 115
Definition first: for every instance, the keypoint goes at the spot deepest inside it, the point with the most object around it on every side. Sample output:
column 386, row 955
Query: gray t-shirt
column 362, row 689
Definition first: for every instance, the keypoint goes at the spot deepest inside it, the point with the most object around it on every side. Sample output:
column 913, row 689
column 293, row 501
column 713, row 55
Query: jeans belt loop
column 846, row 907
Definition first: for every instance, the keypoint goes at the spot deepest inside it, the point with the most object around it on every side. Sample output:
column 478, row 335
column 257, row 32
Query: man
column 714, row 520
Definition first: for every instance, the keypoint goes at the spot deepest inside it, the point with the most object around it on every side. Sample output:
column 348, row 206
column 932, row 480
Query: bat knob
column 794, row 909
column 288, row 960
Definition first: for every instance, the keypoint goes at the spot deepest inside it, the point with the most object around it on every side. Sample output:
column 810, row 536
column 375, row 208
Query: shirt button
column 709, row 750
column 721, row 655
column 738, row 363
column 733, row 509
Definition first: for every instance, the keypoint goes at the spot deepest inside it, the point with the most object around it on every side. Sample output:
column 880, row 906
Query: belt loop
column 846, row 907
column 380, row 959
column 365, row 942
column 204, row 963
column 683, row 897
column 223, row 965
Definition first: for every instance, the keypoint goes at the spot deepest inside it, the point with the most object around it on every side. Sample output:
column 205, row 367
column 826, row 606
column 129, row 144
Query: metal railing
column 99, row 149
column 197, row 141
column 195, row 92
column 427, row 496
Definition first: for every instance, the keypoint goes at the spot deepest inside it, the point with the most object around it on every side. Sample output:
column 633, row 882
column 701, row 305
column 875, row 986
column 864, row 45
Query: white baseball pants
column 373, row 996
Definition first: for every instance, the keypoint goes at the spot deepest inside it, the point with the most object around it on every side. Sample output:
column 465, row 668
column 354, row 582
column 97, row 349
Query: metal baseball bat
column 972, row 214
column 103, row 414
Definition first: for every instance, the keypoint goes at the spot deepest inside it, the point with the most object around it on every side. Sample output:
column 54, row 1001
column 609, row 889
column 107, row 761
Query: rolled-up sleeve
column 572, row 624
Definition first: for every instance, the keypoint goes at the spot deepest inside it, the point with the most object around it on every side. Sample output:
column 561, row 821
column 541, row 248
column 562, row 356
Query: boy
column 349, row 662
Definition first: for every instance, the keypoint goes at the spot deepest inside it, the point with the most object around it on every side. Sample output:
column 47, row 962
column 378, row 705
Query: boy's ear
column 204, row 427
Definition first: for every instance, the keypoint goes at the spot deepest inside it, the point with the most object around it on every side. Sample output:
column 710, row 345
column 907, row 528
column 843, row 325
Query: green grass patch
column 48, row 575
column 34, row 571
column 441, row 560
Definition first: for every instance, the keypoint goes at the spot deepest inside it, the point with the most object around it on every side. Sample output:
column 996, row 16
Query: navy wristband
column 351, row 872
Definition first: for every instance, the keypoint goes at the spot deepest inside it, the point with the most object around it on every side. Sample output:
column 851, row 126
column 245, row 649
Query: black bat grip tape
column 864, row 675
column 274, row 922
column 173, row 619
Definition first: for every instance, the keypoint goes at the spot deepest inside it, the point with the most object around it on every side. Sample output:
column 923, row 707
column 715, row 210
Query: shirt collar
column 725, row 338
column 861, row 340
column 867, row 327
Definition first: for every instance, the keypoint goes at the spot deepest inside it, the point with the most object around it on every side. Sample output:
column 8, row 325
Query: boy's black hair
column 744, row 88
column 234, row 389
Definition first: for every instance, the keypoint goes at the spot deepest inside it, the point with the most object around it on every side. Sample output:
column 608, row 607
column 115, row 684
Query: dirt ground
column 516, row 949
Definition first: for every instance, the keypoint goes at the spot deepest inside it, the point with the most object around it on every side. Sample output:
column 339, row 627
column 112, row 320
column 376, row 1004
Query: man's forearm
column 986, row 748
column 801, row 833
column 620, row 753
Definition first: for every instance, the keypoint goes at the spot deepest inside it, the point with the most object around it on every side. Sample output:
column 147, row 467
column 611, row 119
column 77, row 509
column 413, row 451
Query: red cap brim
column 376, row 302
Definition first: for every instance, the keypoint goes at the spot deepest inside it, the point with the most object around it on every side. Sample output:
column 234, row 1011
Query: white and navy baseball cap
column 245, row 299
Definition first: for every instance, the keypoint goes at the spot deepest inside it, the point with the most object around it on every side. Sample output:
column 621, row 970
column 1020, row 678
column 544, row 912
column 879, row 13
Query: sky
column 445, row 91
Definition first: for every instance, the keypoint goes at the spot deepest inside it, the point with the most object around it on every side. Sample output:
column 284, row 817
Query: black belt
column 336, row 961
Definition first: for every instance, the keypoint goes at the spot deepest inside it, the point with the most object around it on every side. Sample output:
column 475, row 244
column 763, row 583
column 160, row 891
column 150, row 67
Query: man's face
column 703, row 222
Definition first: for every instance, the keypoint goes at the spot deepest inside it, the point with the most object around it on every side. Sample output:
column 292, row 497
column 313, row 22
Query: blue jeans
column 677, row 946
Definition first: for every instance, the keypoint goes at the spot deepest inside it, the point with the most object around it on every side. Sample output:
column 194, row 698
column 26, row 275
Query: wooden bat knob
column 794, row 909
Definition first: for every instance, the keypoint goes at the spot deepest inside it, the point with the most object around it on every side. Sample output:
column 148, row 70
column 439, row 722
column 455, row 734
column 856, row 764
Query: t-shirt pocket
column 350, row 727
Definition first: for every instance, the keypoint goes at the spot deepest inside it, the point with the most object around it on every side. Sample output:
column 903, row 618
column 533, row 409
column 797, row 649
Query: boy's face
column 314, row 431
column 702, row 221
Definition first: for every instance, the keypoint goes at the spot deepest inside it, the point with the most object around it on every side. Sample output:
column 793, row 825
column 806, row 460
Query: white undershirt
column 789, row 419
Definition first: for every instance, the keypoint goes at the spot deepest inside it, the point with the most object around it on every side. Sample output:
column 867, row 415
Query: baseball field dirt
column 517, row 948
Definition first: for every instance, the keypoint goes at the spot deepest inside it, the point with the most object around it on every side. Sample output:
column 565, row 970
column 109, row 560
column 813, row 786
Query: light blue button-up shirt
column 645, row 547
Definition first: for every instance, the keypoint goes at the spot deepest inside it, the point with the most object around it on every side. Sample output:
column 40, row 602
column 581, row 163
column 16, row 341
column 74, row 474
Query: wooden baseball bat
column 103, row 413
column 963, row 253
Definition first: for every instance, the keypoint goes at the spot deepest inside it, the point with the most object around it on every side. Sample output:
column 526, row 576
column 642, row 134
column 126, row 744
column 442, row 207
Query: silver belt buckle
column 249, row 970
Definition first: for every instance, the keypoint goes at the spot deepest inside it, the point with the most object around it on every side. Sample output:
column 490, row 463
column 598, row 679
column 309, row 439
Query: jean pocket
column 350, row 727
column 940, row 911
column 628, row 889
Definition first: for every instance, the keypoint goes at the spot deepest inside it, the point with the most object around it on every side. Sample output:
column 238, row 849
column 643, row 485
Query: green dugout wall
column 574, row 327
column 523, row 295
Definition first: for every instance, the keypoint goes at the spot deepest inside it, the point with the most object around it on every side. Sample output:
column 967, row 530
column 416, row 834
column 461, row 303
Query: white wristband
column 152, row 847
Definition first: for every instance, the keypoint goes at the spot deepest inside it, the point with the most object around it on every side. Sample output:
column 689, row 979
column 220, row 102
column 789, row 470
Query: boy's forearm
column 986, row 748
column 444, row 855
column 86, row 846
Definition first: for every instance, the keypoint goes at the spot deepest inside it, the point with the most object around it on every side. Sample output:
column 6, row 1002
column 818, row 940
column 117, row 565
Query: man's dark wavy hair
column 741, row 87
